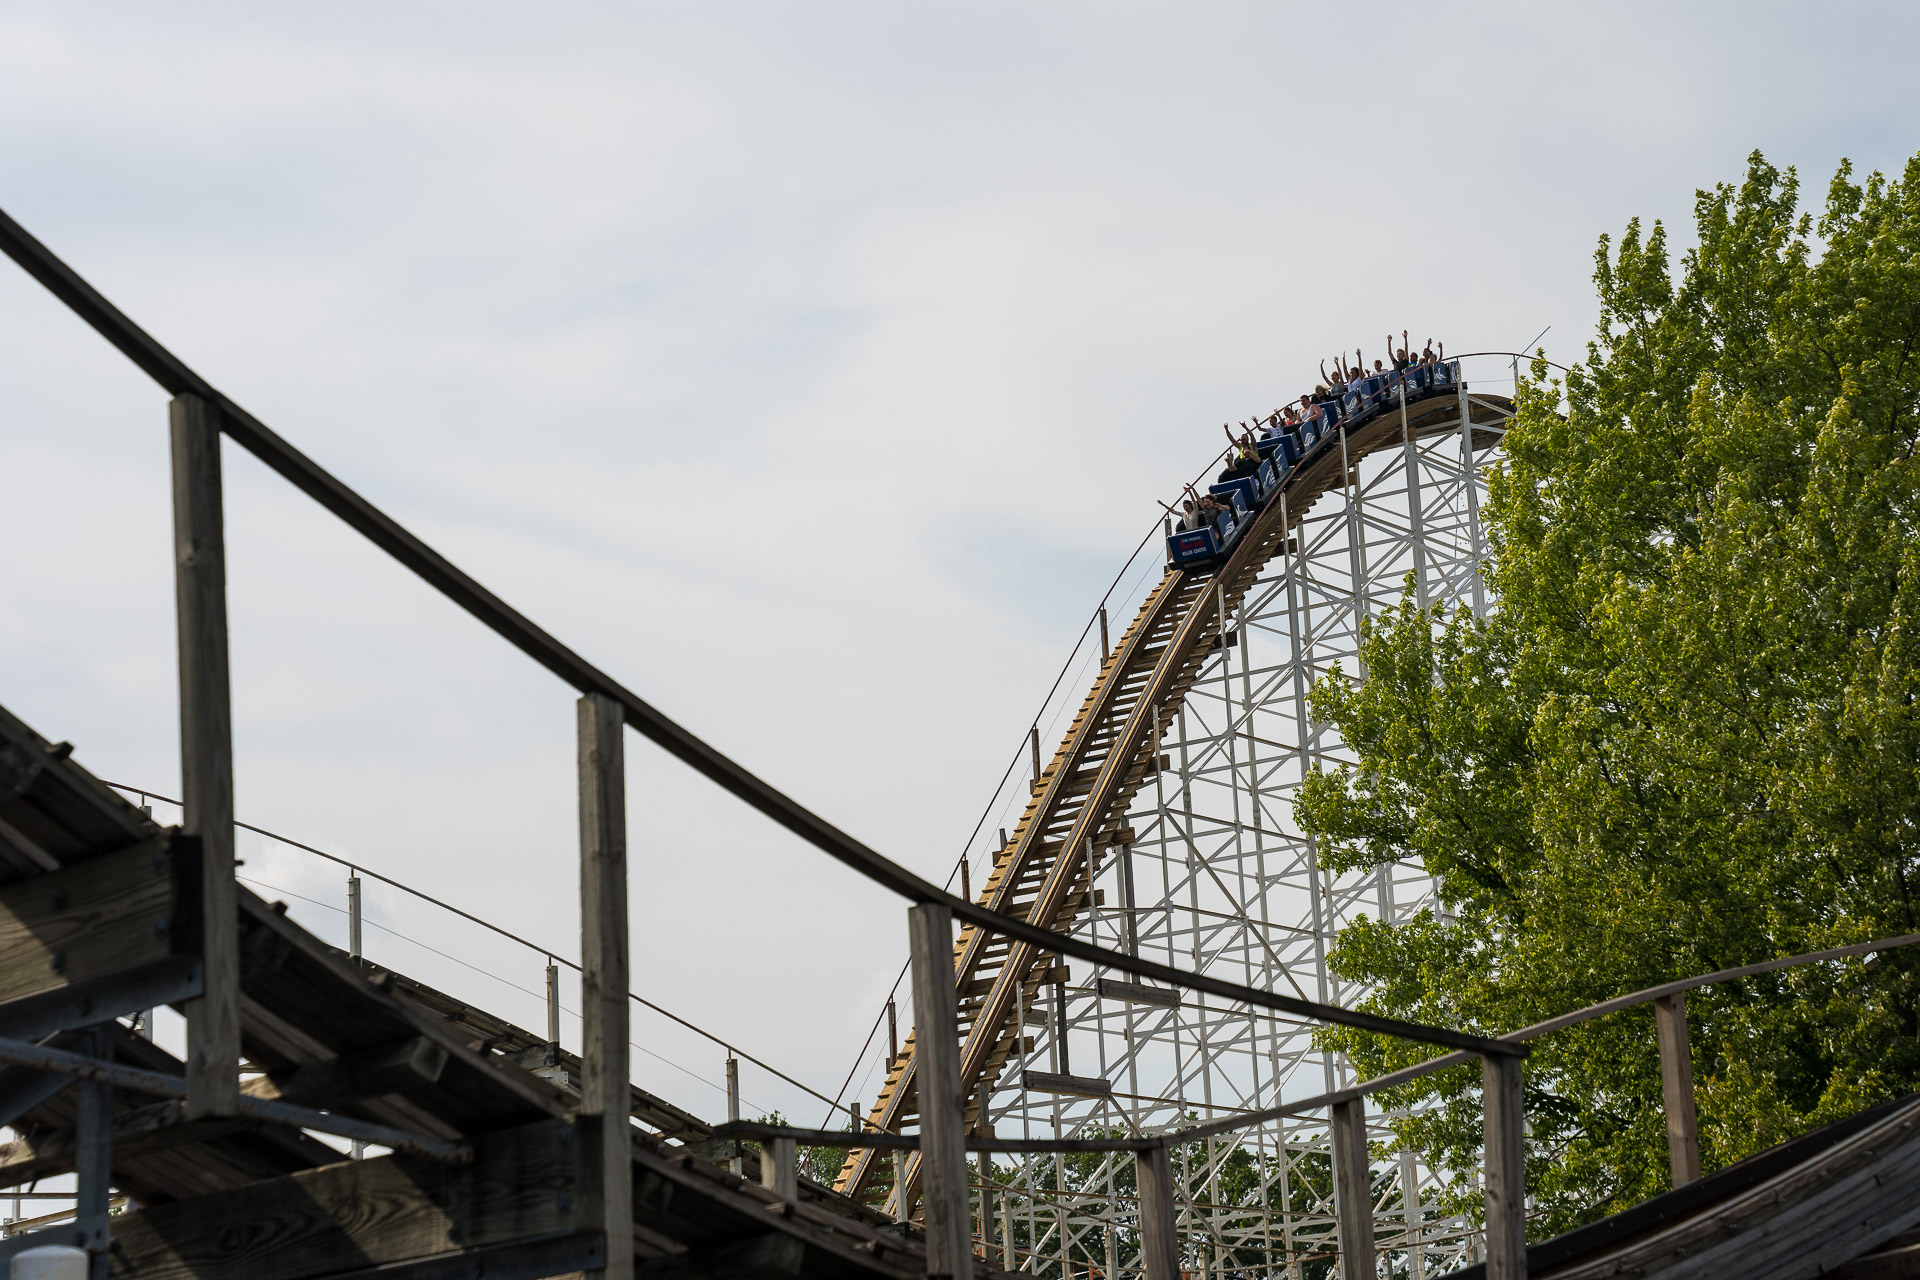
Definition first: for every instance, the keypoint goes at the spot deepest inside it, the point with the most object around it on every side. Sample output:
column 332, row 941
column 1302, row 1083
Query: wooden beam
column 1159, row 1239
column 98, row 940
column 1353, row 1190
column 756, row 1257
column 1506, row 1168
column 369, row 1073
column 206, row 750
column 96, row 917
column 943, row 1137
column 606, row 1182
column 560, row 1257
column 361, row 1214
column 1676, row 1087
column 93, row 1151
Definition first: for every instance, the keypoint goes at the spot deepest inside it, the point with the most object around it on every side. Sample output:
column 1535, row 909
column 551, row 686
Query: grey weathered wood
column 390, row 1209
column 172, row 980
column 1506, row 1175
column 1353, row 1190
column 777, row 1172
column 93, row 1150
column 943, row 1138
column 367, row 1073
column 1060, row 1082
column 1676, row 1087
column 554, row 1258
column 206, row 750
column 759, row 1257
column 606, row 1182
column 1810, row 1219
column 72, row 925
column 1159, row 1241
column 1137, row 992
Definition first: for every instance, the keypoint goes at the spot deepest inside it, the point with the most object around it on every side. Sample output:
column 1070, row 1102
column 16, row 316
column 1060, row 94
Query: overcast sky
column 810, row 367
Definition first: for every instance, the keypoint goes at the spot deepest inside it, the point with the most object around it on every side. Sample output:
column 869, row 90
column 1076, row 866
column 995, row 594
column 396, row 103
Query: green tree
column 1684, row 738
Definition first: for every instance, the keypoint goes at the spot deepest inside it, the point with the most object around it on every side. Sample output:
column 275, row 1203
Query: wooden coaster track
column 1077, row 814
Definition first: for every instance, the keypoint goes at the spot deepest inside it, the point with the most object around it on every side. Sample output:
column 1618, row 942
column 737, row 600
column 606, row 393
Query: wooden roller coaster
column 1080, row 800
column 511, row 1160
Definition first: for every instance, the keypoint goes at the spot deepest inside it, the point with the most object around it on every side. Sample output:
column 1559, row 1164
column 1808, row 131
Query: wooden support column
column 1353, row 1190
column 943, row 1136
column 606, row 1147
column 1676, row 1087
column 93, row 1152
column 777, row 1173
column 206, row 750
column 1506, row 1176
column 1159, row 1242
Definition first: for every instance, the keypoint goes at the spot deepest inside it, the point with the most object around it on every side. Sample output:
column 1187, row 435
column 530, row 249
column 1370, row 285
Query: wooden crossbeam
column 361, row 1214
column 97, row 940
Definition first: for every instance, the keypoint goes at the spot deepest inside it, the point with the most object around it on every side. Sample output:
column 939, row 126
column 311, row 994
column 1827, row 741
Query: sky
column 813, row 369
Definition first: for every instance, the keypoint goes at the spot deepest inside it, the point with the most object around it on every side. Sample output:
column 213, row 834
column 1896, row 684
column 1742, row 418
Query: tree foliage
column 1684, row 738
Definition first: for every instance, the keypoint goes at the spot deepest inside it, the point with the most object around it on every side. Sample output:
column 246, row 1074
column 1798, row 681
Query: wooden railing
column 199, row 417
column 1504, row 1117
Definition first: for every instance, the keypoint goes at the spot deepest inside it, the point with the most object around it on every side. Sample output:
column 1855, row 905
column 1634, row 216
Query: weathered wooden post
column 1159, row 1243
column 1506, row 1174
column 1353, row 1190
column 943, row 1136
column 777, row 1173
column 1676, row 1087
column 605, row 1132
column 206, row 751
column 93, row 1159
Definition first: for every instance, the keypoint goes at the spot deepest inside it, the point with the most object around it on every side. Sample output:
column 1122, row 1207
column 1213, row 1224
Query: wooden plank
column 1676, row 1088
column 53, row 811
column 1888, row 1264
column 520, row 1260
column 316, row 1004
column 759, row 1257
column 1138, row 992
column 77, row 924
column 1057, row 1082
column 360, row 1213
column 1353, row 1190
column 206, row 750
column 606, row 1182
column 368, row 1073
column 1846, row 1201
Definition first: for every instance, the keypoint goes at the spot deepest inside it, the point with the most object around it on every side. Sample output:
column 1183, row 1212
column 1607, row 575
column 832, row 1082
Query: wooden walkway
column 95, row 918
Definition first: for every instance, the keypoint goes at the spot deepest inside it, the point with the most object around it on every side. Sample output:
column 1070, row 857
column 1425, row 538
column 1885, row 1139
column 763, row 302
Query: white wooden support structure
column 1676, row 1087
column 943, row 1136
column 1159, row 1241
column 1506, row 1175
column 605, row 1132
column 1353, row 1190
column 206, row 751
